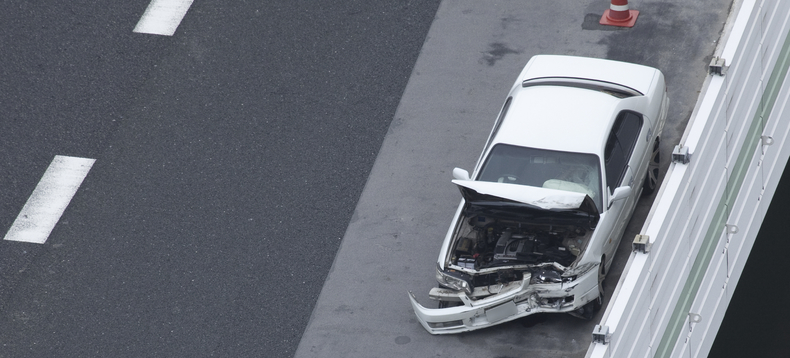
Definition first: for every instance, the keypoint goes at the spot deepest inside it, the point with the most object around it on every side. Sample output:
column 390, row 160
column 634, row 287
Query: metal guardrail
column 673, row 295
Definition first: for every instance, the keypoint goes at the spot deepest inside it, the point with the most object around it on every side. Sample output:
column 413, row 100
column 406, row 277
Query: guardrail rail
column 674, row 291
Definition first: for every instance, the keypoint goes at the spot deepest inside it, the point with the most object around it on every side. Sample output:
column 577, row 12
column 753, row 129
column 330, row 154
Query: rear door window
column 620, row 146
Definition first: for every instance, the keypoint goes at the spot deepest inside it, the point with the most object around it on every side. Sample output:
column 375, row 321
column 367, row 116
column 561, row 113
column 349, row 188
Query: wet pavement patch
column 592, row 22
column 531, row 321
column 402, row 340
column 496, row 52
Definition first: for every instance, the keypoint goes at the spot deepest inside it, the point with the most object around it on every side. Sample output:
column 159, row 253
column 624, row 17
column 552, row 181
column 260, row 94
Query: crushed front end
column 495, row 304
column 504, row 260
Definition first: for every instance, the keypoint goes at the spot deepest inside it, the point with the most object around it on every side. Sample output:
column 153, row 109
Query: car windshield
column 576, row 172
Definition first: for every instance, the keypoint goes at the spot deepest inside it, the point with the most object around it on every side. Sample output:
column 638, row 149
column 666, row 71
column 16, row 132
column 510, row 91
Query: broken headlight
column 545, row 276
column 454, row 280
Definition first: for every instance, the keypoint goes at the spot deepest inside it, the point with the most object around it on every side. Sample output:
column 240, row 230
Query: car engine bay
column 499, row 250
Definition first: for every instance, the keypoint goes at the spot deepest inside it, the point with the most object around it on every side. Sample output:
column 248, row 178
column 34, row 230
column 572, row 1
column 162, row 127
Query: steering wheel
column 507, row 178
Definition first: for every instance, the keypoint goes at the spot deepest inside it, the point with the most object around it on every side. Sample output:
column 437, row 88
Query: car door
column 622, row 168
column 639, row 130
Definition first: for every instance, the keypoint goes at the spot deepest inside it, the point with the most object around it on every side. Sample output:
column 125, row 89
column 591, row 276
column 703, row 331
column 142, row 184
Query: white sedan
column 543, row 212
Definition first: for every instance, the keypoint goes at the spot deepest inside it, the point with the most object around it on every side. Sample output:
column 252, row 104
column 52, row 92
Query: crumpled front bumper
column 519, row 300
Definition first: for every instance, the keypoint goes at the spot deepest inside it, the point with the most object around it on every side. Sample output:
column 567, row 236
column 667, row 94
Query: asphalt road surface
column 471, row 56
column 229, row 160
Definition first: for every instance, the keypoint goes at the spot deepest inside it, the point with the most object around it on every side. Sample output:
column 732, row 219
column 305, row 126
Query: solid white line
column 50, row 198
column 162, row 17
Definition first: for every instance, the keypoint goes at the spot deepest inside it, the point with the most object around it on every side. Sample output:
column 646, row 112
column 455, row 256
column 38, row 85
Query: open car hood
column 535, row 197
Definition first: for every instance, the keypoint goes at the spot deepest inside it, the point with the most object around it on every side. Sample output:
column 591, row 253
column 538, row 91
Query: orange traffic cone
column 619, row 15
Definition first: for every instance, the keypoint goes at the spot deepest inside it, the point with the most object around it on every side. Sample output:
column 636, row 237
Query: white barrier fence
column 671, row 300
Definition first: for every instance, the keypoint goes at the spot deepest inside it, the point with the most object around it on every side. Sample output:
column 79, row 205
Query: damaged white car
column 544, row 210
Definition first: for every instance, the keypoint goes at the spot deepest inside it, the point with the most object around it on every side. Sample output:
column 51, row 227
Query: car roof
column 561, row 118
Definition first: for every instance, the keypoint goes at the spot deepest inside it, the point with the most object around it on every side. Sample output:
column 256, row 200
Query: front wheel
column 651, row 179
column 598, row 302
column 589, row 310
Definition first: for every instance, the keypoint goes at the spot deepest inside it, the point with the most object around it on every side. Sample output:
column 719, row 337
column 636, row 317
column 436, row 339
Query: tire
column 598, row 302
column 651, row 179
column 590, row 309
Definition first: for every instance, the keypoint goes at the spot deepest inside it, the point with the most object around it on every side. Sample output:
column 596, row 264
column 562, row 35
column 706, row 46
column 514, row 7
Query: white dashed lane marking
column 162, row 17
column 50, row 198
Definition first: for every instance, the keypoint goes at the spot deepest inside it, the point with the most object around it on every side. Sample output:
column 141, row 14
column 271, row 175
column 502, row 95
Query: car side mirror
column 460, row 174
column 619, row 194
